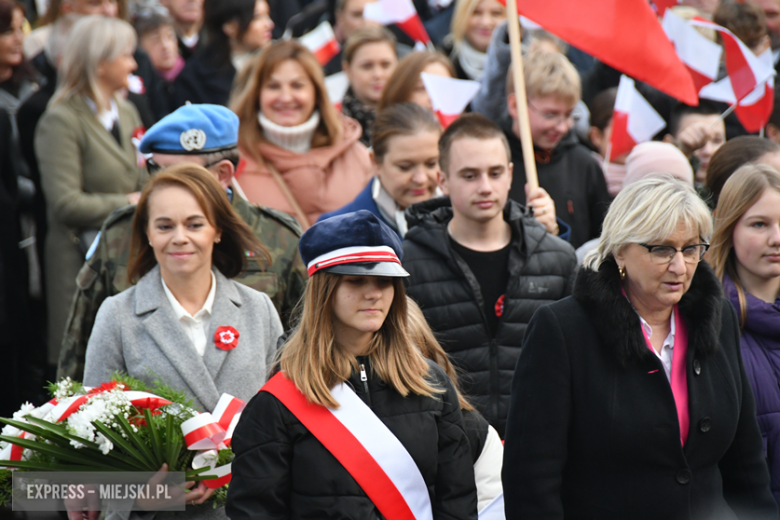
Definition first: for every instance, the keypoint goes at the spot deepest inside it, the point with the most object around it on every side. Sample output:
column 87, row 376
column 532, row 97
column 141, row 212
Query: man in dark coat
column 480, row 266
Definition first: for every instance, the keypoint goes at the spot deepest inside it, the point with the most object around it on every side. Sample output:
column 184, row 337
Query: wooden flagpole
column 529, row 160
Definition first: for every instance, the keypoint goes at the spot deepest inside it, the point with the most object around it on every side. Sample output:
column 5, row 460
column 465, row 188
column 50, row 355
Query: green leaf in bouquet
column 58, row 452
column 141, row 448
column 119, row 441
column 172, row 445
column 56, row 431
column 154, row 435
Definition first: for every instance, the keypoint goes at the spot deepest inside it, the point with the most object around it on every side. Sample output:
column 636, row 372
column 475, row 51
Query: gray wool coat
column 137, row 332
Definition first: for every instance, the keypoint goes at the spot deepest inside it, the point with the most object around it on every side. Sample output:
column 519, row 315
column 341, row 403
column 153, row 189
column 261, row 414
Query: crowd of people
column 174, row 167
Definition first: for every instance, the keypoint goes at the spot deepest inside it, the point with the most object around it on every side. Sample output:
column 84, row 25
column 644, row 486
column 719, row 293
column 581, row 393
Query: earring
column 218, row 240
column 150, row 242
column 622, row 271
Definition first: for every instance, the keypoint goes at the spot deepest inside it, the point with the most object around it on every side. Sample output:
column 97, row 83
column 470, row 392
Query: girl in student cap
column 356, row 424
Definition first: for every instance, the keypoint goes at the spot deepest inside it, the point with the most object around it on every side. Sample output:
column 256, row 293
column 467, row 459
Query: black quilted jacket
column 541, row 270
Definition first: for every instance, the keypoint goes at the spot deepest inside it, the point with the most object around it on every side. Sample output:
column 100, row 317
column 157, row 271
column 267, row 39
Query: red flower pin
column 226, row 338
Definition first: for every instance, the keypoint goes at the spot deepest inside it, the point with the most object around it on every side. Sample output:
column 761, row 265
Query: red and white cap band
column 353, row 255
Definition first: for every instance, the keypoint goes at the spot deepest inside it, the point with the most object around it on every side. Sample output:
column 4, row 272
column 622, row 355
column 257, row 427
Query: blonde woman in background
column 88, row 163
column 302, row 156
column 473, row 23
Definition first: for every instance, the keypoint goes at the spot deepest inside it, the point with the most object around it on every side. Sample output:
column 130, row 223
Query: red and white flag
column 449, row 96
column 608, row 30
column 337, row 85
column 700, row 54
column 322, row 42
column 399, row 12
column 634, row 120
column 746, row 71
column 754, row 110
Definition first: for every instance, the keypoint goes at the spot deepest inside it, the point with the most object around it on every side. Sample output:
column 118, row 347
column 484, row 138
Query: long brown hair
column 246, row 102
column 404, row 80
column 229, row 255
column 315, row 363
column 740, row 192
column 422, row 336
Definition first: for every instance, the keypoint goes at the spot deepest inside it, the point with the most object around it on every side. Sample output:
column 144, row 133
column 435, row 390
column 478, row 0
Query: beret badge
column 194, row 139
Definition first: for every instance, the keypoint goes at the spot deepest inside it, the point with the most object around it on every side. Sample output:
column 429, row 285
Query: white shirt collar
column 107, row 118
column 181, row 312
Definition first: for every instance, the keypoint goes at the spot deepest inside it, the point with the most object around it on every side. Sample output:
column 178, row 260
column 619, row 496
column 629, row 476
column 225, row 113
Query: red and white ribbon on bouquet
column 71, row 405
column 210, row 432
column 14, row 452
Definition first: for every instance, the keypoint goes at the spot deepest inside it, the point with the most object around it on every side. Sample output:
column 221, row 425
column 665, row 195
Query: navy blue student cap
column 193, row 130
column 356, row 243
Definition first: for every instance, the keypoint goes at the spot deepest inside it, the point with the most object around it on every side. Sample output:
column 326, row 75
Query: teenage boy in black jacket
column 480, row 265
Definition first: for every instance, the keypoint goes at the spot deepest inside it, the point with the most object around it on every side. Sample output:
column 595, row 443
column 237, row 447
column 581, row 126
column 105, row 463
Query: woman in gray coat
column 185, row 322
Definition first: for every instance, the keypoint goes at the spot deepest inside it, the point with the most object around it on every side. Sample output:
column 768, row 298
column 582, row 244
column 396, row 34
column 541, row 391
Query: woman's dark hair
column 217, row 13
column 24, row 71
column 733, row 154
column 601, row 108
column 746, row 20
column 400, row 119
column 229, row 255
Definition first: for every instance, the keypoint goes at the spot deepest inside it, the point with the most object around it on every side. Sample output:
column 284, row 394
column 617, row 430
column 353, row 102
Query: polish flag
column 634, row 120
column 399, row 12
column 754, row 110
column 608, row 30
column 336, row 85
column 449, row 96
column 746, row 71
column 700, row 54
column 322, row 42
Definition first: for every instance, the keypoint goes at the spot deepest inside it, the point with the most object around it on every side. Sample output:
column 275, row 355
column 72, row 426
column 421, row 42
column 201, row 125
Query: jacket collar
column 159, row 320
column 428, row 225
column 618, row 326
column 125, row 152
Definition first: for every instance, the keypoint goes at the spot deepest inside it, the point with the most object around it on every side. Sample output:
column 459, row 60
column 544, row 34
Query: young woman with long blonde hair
column 745, row 253
column 357, row 423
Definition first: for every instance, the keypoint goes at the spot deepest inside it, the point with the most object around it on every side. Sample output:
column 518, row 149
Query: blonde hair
column 647, row 211
column 314, row 362
column 365, row 36
column 460, row 18
column 93, row 40
column 422, row 336
column 548, row 74
column 246, row 102
column 740, row 192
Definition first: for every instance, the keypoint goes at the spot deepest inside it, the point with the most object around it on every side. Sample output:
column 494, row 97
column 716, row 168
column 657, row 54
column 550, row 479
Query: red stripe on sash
column 340, row 442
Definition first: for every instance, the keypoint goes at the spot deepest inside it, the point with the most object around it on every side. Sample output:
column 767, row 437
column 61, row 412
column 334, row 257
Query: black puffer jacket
column 281, row 471
column 541, row 270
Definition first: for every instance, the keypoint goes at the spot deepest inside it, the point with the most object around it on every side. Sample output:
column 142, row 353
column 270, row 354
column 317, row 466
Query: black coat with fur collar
column 593, row 431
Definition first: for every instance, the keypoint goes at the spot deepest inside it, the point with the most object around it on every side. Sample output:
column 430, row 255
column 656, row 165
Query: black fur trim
column 618, row 325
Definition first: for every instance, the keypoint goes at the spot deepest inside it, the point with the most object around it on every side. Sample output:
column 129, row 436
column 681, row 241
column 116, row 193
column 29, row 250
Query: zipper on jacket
column 364, row 380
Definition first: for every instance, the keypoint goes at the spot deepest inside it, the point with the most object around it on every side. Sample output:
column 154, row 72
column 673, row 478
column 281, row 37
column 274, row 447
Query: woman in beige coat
column 88, row 162
column 302, row 156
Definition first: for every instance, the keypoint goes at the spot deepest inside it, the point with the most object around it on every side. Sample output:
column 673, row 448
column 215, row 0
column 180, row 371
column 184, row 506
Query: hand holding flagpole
column 529, row 160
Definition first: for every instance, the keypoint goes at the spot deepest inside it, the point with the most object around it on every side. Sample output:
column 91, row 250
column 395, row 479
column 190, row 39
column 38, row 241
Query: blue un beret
column 191, row 130
column 353, row 243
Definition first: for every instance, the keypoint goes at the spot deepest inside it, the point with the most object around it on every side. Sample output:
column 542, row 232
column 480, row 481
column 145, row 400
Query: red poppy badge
column 226, row 338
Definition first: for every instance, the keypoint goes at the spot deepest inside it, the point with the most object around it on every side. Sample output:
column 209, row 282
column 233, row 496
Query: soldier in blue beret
column 353, row 392
column 206, row 135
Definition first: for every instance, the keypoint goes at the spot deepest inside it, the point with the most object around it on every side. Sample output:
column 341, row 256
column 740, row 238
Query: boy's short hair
column 746, row 20
column 474, row 126
column 548, row 74
column 151, row 20
column 680, row 110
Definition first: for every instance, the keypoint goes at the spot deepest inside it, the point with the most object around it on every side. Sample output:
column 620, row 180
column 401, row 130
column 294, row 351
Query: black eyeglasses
column 665, row 254
column 152, row 167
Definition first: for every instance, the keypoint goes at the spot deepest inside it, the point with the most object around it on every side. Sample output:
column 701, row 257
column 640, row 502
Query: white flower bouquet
column 123, row 425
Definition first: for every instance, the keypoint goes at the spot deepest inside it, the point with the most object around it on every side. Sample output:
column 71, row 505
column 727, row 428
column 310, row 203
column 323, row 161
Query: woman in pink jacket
column 301, row 155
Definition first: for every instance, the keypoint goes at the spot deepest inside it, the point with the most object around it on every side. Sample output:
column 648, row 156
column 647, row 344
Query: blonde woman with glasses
column 630, row 399
column 88, row 163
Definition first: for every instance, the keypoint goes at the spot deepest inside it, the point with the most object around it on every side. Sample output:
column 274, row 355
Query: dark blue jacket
column 760, row 345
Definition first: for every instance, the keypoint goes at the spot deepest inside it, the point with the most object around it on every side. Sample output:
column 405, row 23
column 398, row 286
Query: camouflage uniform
column 104, row 274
